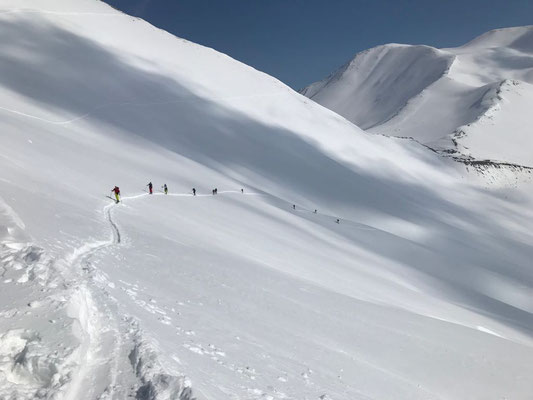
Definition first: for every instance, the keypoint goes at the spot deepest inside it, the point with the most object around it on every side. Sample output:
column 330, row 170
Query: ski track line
column 94, row 110
column 359, row 226
column 349, row 222
column 101, row 345
column 100, row 338
column 101, row 373
column 114, row 227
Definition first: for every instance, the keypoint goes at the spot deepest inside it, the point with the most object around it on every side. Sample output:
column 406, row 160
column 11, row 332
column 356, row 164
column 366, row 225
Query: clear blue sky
column 302, row 41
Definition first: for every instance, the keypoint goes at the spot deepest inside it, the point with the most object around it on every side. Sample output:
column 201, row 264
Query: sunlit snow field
column 421, row 291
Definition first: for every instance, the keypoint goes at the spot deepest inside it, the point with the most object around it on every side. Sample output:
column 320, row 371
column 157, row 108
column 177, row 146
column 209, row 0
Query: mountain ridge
column 432, row 109
column 313, row 260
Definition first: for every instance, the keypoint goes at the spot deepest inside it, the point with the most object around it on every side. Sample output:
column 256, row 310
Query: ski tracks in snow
column 74, row 343
column 131, row 103
column 115, row 360
column 97, row 328
column 103, row 354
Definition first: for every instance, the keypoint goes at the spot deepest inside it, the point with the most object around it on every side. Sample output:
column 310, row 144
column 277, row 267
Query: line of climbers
column 116, row 190
column 338, row 221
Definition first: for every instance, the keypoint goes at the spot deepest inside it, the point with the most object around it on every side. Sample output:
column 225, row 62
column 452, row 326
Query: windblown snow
column 412, row 280
column 472, row 100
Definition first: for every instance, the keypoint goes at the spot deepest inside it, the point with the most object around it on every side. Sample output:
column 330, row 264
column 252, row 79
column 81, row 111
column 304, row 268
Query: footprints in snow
column 169, row 315
column 21, row 263
column 211, row 350
column 150, row 305
column 26, row 362
column 34, row 360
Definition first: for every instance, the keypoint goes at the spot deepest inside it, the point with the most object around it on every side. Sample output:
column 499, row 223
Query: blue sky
column 302, row 41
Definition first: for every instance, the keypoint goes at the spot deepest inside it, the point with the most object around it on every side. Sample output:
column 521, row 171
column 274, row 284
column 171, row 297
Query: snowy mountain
column 472, row 99
column 412, row 280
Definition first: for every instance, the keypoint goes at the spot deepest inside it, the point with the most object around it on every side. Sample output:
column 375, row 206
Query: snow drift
column 424, row 282
column 432, row 95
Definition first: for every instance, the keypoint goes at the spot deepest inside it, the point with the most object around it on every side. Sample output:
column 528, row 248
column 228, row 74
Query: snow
column 352, row 92
column 432, row 94
column 503, row 130
column 423, row 290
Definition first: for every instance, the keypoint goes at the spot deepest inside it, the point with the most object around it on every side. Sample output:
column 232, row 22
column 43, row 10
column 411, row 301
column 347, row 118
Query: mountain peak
column 519, row 37
column 428, row 93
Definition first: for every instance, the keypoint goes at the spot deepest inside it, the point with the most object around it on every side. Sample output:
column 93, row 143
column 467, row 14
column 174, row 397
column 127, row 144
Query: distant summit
column 470, row 100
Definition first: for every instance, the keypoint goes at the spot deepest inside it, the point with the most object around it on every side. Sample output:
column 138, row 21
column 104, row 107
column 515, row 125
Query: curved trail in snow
column 107, row 343
column 114, row 359
column 114, row 227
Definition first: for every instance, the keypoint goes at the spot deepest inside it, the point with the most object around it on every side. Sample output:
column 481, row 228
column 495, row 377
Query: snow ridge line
column 50, row 12
column 490, row 100
column 457, row 156
column 419, row 97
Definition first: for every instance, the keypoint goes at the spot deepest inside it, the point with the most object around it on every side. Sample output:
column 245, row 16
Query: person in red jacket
column 116, row 190
column 150, row 187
